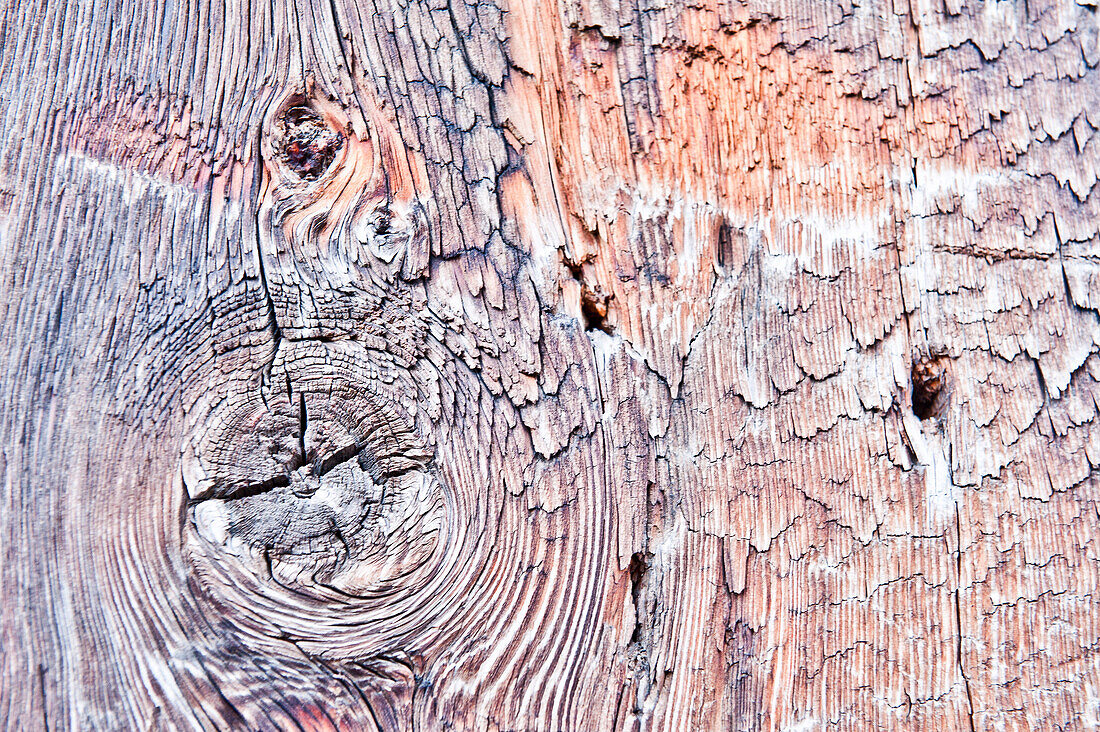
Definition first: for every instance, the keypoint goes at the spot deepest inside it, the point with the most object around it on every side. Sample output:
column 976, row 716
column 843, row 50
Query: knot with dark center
column 308, row 145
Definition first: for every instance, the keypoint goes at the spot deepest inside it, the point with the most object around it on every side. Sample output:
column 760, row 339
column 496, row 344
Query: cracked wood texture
column 578, row 365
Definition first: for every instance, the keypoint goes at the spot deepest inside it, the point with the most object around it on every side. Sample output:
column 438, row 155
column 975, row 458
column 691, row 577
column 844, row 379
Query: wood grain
column 555, row 366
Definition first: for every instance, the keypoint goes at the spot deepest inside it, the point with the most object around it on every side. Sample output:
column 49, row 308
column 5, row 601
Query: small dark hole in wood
column 637, row 571
column 725, row 244
column 308, row 145
column 383, row 225
column 929, row 376
column 594, row 310
column 593, row 301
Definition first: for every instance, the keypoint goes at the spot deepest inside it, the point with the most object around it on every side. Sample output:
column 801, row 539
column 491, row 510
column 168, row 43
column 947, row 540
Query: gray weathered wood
column 549, row 365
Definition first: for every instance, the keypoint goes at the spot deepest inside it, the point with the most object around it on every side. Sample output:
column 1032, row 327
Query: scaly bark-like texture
column 551, row 365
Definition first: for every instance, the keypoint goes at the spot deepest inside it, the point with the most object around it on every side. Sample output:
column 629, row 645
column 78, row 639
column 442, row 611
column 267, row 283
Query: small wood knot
column 308, row 145
column 929, row 377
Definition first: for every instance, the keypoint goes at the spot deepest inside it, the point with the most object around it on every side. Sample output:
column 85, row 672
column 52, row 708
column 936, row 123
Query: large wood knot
column 316, row 489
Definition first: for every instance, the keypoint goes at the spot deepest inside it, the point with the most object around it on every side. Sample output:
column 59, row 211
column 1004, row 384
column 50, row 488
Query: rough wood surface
column 549, row 365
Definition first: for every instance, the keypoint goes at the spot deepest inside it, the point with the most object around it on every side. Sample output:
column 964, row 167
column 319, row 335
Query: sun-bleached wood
column 573, row 365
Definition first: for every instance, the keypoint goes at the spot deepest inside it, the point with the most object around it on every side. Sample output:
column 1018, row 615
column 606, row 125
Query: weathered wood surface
column 563, row 366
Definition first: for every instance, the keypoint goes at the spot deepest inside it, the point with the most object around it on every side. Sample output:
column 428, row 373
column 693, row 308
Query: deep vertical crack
column 302, row 423
column 257, row 188
column 958, row 617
